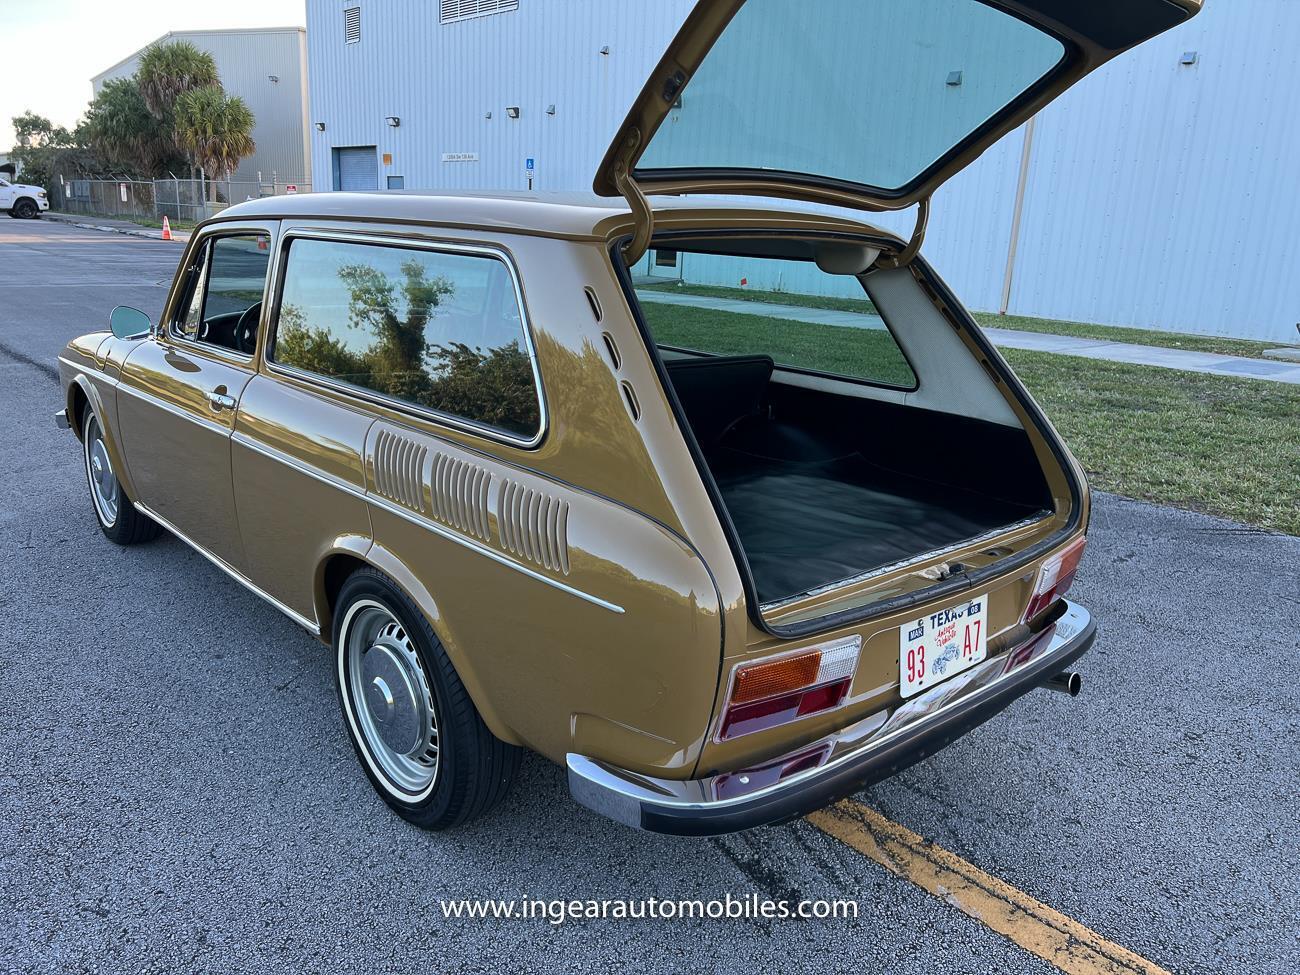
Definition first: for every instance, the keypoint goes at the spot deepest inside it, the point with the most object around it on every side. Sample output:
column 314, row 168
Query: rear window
column 439, row 330
column 871, row 92
column 800, row 316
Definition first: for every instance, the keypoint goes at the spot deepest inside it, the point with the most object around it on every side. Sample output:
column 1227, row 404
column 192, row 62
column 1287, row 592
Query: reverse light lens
column 1054, row 578
column 773, row 692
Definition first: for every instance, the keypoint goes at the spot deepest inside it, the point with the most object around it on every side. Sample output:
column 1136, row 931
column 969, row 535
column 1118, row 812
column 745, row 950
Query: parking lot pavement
column 177, row 793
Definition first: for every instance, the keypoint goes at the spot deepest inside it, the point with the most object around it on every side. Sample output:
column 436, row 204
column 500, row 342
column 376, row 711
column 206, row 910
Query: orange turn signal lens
column 759, row 681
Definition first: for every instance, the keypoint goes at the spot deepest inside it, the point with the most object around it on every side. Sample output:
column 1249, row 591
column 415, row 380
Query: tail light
column 781, row 689
column 1054, row 577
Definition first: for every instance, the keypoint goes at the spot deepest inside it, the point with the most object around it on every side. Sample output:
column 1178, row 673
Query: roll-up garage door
column 356, row 168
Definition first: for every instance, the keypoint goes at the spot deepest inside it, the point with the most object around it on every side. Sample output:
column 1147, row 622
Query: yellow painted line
column 1039, row 929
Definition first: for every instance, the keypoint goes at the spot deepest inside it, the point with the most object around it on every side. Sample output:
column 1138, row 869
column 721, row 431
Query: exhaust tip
column 1067, row 682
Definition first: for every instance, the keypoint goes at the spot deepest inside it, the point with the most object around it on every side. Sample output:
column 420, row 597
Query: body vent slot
column 460, row 495
column 535, row 526
column 399, row 470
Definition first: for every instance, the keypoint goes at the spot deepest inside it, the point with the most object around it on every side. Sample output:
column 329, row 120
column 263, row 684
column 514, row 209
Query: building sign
column 291, row 188
column 460, row 157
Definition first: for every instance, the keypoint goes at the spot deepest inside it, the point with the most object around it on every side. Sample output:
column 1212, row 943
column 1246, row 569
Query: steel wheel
column 388, row 699
column 104, row 488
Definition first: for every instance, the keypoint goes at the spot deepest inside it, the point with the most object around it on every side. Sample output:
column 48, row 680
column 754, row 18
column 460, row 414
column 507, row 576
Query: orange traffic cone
column 167, row 229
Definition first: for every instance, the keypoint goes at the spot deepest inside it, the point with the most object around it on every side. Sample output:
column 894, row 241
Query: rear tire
column 25, row 209
column 118, row 517
column 419, row 738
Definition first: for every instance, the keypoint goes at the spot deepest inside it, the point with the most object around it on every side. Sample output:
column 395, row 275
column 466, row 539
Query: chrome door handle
column 220, row 401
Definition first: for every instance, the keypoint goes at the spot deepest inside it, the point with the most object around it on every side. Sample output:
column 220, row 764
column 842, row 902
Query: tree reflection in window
column 441, row 331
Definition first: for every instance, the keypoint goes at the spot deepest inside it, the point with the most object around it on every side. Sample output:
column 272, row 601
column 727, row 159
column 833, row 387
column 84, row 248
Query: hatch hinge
column 635, row 248
column 904, row 257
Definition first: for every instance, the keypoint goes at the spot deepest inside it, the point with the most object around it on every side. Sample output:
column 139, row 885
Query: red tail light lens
column 786, row 688
column 1054, row 578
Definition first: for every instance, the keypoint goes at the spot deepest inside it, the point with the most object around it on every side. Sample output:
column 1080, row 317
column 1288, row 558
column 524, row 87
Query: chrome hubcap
column 99, row 469
column 389, row 699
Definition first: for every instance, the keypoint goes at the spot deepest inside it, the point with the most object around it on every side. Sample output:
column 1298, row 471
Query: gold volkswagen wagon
column 729, row 507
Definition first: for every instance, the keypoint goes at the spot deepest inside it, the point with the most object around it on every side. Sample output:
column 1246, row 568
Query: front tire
column 25, row 209
column 421, row 741
column 117, row 516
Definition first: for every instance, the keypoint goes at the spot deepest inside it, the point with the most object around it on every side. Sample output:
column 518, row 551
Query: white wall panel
column 1159, row 195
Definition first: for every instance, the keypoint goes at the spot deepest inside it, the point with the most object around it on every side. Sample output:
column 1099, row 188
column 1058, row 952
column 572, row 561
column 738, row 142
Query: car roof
column 569, row 215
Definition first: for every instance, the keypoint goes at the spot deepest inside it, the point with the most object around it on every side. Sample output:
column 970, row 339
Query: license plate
column 939, row 645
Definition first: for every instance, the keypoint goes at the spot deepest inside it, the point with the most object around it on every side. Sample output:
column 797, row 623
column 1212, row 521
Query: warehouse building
column 267, row 68
column 1159, row 193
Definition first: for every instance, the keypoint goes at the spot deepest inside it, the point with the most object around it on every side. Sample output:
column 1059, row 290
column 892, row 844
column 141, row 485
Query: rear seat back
column 717, row 391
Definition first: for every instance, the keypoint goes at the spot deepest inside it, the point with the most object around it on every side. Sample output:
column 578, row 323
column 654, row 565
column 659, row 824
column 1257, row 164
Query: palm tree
column 216, row 130
column 168, row 71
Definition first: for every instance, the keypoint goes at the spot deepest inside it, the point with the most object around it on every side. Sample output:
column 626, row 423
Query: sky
column 53, row 47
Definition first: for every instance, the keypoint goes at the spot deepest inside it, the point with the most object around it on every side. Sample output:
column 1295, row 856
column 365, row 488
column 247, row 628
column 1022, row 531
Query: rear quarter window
column 439, row 330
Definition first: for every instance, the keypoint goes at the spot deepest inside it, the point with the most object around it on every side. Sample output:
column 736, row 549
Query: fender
column 378, row 557
column 81, row 387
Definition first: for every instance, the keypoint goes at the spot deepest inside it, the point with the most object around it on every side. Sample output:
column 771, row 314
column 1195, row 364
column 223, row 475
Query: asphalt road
column 177, row 793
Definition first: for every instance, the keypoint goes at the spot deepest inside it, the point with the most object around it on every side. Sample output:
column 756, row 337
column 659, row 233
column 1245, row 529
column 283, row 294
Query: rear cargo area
column 822, row 487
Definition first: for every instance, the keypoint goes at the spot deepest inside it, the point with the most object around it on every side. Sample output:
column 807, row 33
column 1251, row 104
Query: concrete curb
column 147, row 233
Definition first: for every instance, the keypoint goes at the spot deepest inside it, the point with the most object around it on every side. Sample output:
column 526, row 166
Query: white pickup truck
column 22, row 201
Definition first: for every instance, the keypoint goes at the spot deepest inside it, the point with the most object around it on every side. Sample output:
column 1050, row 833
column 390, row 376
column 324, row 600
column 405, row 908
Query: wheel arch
column 83, row 392
column 352, row 554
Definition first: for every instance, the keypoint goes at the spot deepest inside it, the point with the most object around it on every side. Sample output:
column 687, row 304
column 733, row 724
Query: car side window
column 438, row 329
column 224, row 302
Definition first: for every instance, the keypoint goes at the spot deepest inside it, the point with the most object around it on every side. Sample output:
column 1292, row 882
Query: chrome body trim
column 461, row 424
column 61, row 420
column 90, row 370
column 870, row 749
column 309, row 625
column 173, row 409
column 413, row 518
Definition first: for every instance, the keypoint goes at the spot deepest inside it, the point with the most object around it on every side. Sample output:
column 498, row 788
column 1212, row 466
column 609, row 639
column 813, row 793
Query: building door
column 356, row 168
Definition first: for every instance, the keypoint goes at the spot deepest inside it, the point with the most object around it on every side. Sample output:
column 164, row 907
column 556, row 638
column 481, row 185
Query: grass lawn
column 1226, row 446
column 1107, row 333
column 1134, row 336
column 865, row 353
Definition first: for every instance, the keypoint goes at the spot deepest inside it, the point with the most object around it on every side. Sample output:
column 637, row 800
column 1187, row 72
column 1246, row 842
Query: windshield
column 870, row 92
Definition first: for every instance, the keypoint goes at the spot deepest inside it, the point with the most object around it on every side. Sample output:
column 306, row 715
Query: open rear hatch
column 863, row 103
column 829, row 487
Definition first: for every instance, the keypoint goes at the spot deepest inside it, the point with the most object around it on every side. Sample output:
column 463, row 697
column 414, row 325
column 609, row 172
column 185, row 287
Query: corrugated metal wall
column 1159, row 194
column 246, row 60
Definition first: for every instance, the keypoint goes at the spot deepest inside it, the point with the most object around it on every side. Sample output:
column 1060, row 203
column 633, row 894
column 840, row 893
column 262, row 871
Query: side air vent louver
column 535, row 526
column 460, row 495
column 399, row 470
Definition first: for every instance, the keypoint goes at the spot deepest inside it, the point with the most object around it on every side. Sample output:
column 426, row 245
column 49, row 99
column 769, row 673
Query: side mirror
column 127, row 322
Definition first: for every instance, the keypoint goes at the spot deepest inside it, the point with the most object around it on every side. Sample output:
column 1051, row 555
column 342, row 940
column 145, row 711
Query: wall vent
column 460, row 495
column 399, row 470
column 351, row 25
column 450, row 11
column 534, row 526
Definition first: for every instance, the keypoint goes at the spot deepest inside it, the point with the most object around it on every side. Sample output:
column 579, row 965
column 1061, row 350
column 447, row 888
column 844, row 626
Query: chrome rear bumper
column 61, row 420
column 822, row 772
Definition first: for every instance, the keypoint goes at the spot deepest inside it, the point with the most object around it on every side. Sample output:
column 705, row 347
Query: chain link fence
column 190, row 200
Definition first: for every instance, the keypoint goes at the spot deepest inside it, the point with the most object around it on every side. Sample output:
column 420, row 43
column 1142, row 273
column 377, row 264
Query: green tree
column 40, row 145
column 123, row 132
column 316, row 350
column 168, row 71
column 214, row 129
